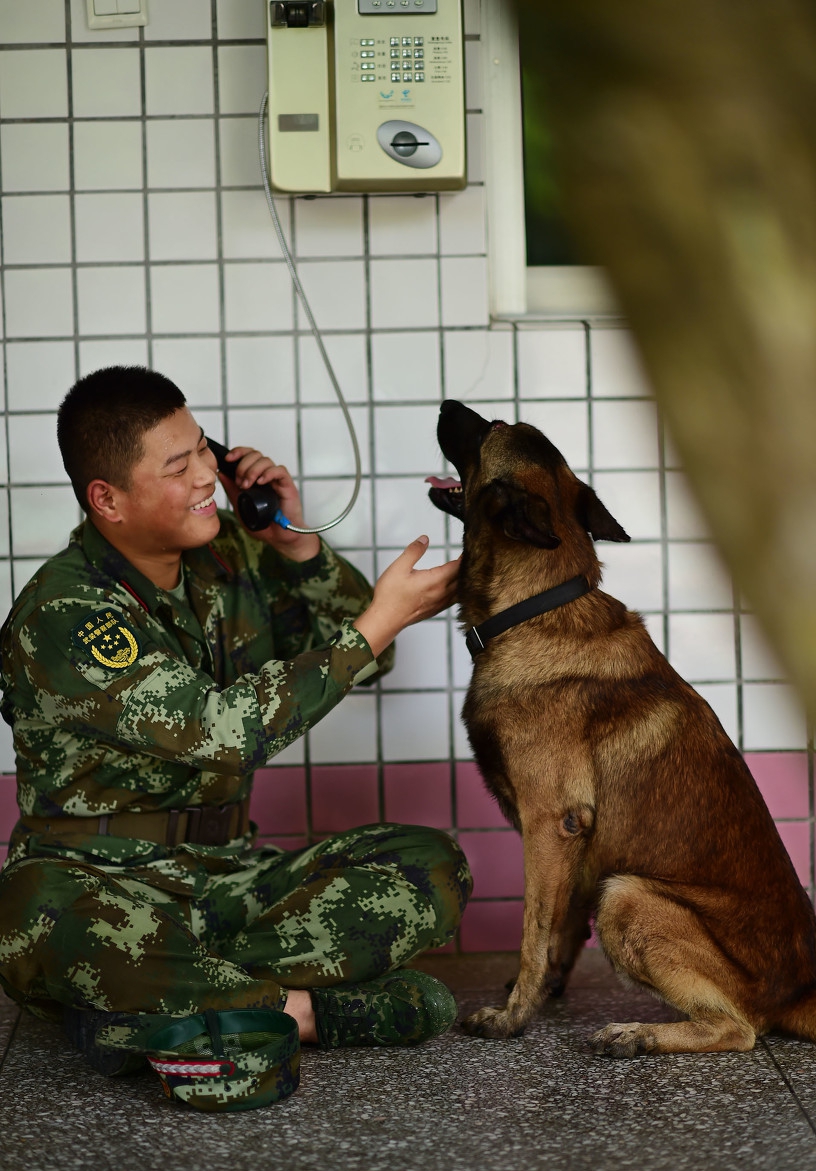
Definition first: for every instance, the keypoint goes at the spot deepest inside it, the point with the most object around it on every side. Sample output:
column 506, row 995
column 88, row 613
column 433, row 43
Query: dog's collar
column 477, row 637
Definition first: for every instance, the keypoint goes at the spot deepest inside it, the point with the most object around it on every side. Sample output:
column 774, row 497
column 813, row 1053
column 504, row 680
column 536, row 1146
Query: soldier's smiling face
column 169, row 505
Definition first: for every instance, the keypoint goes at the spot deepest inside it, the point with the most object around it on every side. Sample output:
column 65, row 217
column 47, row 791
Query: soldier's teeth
column 204, row 504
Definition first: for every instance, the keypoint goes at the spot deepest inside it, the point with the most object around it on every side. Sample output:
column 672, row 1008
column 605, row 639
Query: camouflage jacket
column 121, row 696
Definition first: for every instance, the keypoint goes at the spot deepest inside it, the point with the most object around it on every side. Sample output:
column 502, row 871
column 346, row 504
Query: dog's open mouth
column 446, row 493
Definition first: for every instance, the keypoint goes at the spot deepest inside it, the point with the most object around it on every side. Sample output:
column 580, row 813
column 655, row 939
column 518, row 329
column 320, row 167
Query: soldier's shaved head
column 103, row 419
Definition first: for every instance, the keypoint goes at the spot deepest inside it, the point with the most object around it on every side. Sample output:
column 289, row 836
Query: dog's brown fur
column 632, row 802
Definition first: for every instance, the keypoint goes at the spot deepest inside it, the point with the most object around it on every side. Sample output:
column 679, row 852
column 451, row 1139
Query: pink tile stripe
column 476, row 808
column 344, row 796
column 782, row 778
column 418, row 794
column 279, row 801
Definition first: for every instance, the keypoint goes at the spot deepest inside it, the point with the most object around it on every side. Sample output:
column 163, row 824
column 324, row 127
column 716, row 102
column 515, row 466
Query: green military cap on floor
column 219, row 1061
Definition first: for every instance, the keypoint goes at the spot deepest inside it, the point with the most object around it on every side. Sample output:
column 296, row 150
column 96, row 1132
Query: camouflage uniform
column 126, row 700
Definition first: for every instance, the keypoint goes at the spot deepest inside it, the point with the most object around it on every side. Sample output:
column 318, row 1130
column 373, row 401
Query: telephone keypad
column 405, row 53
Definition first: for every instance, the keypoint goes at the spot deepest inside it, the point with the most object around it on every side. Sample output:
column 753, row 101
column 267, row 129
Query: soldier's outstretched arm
column 404, row 595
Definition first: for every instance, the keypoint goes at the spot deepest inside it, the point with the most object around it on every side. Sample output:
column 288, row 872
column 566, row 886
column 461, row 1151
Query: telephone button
column 419, row 77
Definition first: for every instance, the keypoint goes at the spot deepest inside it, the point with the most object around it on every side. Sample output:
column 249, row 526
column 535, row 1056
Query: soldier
column 147, row 670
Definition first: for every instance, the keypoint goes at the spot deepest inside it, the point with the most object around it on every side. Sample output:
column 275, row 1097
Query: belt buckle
column 208, row 825
column 473, row 642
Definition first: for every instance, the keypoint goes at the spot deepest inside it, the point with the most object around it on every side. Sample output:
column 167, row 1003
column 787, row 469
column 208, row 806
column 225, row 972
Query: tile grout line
column 788, row 1083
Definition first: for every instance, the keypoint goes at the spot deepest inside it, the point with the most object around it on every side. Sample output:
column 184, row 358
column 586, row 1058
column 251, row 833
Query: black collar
column 477, row 637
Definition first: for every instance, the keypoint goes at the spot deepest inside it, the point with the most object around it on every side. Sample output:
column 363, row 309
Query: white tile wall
column 183, row 20
column 633, row 573
column 185, row 298
column 134, row 229
column 111, row 300
column 347, row 354
column 415, row 727
column 326, row 442
column 633, row 498
column 106, row 83
column 348, row 734
column 552, row 363
column 180, row 152
column 327, row 227
column 109, row 226
column 28, row 23
column 34, row 156
column 34, row 84
column 405, row 366
column 179, row 80
column 182, row 225
column 193, row 363
column 404, row 294
column 479, row 364
column 36, row 229
column 323, row 500
column 39, row 302
column 108, row 155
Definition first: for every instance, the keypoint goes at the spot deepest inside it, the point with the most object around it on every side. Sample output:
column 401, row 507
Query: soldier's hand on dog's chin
column 404, row 595
column 252, row 467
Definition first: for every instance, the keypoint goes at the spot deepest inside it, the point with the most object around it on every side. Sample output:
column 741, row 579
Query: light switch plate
column 116, row 13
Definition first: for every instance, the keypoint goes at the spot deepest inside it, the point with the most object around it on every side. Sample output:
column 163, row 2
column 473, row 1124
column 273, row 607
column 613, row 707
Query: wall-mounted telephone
column 258, row 506
column 366, row 95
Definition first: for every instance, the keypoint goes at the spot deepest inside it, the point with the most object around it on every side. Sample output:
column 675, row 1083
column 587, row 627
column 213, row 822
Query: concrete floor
column 458, row 1103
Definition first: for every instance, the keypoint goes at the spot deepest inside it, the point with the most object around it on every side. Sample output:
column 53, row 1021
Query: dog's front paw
column 493, row 1022
column 623, row 1041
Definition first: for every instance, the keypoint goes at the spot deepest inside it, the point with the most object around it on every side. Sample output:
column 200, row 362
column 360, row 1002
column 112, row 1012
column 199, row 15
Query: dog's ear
column 596, row 518
column 522, row 515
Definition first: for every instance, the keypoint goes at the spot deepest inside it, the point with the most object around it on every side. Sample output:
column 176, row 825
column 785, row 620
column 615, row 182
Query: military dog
column 632, row 802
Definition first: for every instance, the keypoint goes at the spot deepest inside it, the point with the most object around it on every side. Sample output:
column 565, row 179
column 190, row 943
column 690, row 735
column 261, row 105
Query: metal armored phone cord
column 273, row 211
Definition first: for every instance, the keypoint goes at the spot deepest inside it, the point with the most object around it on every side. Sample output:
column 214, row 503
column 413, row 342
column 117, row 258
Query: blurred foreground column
column 686, row 132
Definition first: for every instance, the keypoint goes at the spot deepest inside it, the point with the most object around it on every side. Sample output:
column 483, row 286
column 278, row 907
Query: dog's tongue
column 442, row 482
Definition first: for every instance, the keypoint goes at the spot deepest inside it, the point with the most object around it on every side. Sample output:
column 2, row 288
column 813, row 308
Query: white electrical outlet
column 116, row 13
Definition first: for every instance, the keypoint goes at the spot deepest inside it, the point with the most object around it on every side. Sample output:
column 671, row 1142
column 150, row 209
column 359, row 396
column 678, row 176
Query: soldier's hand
column 254, row 468
column 404, row 595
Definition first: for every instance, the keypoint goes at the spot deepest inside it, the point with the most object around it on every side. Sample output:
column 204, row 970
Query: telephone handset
column 258, row 506
column 366, row 95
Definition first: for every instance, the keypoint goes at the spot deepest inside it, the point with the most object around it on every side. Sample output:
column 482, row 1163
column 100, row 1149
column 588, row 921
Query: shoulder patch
column 107, row 639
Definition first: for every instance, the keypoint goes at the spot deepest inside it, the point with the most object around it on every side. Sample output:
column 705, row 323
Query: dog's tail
column 800, row 1018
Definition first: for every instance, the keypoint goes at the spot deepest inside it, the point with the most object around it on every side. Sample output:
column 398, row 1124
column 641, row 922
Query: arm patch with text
column 107, row 639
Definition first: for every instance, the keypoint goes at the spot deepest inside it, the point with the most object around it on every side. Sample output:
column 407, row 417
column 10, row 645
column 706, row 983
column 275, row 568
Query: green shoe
column 81, row 1025
column 401, row 1008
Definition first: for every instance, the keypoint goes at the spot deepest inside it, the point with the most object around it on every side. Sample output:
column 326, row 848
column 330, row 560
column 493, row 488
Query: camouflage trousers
column 349, row 908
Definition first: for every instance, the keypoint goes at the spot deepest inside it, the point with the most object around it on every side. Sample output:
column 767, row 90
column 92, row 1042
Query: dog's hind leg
column 664, row 947
column 566, row 943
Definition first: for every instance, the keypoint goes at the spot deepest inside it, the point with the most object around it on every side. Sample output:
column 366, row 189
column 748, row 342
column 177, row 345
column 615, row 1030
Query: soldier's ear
column 102, row 501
